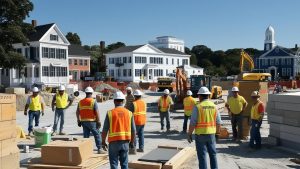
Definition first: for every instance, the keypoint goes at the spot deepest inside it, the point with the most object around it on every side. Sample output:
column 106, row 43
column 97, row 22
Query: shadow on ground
column 172, row 135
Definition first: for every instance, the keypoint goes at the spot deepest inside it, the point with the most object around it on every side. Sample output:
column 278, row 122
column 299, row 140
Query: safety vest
column 119, row 124
column 86, row 110
column 139, row 112
column 164, row 103
column 35, row 104
column 61, row 101
column 254, row 111
column 207, row 114
column 188, row 103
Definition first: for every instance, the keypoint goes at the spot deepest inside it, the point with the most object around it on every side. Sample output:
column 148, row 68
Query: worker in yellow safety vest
column 188, row 103
column 36, row 106
column 120, row 128
column 205, row 120
column 59, row 105
column 257, row 114
column 164, row 104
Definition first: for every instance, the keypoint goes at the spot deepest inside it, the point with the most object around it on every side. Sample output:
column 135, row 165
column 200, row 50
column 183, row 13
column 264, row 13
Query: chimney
column 34, row 23
column 102, row 45
column 296, row 46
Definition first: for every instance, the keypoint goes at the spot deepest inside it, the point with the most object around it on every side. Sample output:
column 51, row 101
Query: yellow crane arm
column 245, row 56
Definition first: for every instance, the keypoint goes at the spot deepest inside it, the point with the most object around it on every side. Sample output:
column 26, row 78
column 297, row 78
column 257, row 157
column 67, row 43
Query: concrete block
column 287, row 106
column 275, row 126
column 15, row 90
column 270, row 106
column 275, row 141
column 290, row 129
column 291, row 121
column 291, row 114
column 285, row 97
column 275, row 112
column 274, row 133
column 290, row 137
column 275, row 118
column 290, row 144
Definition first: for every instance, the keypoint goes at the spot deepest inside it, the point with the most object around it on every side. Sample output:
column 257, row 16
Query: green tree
column 13, row 30
column 114, row 46
column 193, row 59
column 73, row 38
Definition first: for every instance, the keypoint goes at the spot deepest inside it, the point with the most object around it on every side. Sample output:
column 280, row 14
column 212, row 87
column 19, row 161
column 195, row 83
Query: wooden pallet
column 92, row 163
column 174, row 163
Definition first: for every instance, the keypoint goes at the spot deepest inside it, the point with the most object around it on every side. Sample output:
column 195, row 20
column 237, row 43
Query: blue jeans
column 118, row 150
column 206, row 143
column 59, row 114
column 237, row 121
column 163, row 116
column 186, row 118
column 140, row 134
column 88, row 127
column 255, row 134
column 33, row 115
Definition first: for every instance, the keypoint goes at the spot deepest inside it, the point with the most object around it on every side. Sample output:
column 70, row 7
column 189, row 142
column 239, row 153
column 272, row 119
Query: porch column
column 32, row 73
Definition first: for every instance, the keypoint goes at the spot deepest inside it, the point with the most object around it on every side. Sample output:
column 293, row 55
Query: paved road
column 230, row 155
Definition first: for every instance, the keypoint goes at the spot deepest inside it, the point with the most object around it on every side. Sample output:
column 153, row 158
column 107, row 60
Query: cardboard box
column 7, row 98
column 7, row 111
column 15, row 90
column 8, row 146
column 8, row 130
column 67, row 152
column 11, row 161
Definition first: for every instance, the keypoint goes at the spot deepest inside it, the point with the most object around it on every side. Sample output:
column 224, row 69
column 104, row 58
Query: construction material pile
column 9, row 152
column 104, row 86
column 284, row 118
column 69, row 155
column 134, row 86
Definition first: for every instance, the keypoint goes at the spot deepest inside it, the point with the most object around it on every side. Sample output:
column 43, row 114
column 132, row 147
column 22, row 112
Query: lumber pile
column 174, row 162
column 69, row 155
column 9, row 152
column 284, row 118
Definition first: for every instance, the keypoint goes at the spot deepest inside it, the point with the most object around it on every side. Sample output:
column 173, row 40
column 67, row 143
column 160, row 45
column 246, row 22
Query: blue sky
column 218, row 24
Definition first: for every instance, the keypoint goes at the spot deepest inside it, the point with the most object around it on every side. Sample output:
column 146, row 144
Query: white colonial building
column 47, row 59
column 143, row 62
column 168, row 42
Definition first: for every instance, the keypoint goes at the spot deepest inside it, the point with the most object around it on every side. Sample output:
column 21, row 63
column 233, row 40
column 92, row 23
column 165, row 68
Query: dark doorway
column 272, row 71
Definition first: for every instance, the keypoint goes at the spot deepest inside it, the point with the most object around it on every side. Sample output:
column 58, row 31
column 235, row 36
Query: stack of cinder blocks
column 284, row 118
column 9, row 152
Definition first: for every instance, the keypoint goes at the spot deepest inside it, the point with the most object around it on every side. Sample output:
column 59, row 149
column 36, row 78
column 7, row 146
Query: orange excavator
column 181, row 84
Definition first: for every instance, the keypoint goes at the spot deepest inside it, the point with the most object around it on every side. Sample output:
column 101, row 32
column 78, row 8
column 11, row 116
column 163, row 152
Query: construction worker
column 257, row 114
column 188, row 103
column 88, row 116
column 120, row 127
column 139, row 109
column 236, row 105
column 60, row 101
column 205, row 120
column 164, row 104
column 36, row 106
column 129, row 97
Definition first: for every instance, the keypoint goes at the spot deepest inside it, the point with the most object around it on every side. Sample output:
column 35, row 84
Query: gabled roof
column 125, row 49
column 39, row 32
column 278, row 51
column 171, row 51
column 77, row 50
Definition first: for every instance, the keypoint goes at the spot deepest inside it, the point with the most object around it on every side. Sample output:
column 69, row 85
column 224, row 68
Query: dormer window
column 54, row 37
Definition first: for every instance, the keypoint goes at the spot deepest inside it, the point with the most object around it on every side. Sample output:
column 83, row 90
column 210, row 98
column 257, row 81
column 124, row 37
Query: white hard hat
column 235, row 89
column 166, row 91
column 119, row 95
column 35, row 89
column 137, row 93
column 61, row 88
column 204, row 90
column 255, row 94
column 129, row 88
column 89, row 90
column 189, row 93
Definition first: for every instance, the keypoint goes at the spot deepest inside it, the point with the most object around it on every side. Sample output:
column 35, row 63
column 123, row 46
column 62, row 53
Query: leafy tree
column 13, row 30
column 114, row 46
column 87, row 47
column 193, row 59
column 73, row 38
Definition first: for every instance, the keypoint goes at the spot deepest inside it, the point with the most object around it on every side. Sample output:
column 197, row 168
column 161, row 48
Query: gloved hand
column 79, row 123
column 190, row 138
column 131, row 145
column 98, row 125
column 42, row 113
column 104, row 146
column 53, row 109
column 25, row 113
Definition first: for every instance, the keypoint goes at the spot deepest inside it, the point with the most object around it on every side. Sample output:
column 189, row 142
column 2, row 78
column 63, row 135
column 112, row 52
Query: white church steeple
column 269, row 38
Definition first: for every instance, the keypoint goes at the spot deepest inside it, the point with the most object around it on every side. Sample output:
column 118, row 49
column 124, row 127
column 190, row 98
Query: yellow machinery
column 164, row 83
column 251, row 75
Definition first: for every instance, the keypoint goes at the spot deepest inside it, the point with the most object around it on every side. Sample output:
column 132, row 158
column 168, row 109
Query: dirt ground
column 231, row 155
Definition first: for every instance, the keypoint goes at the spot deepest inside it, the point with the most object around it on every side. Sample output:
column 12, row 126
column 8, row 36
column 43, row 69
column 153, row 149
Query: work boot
column 30, row 134
column 53, row 133
column 132, row 151
column 62, row 133
column 140, row 150
column 100, row 151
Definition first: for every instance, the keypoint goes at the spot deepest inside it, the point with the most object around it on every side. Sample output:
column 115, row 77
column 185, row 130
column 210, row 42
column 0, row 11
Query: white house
column 168, row 42
column 47, row 59
column 143, row 62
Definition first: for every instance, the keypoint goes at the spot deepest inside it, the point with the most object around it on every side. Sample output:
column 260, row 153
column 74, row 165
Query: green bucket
column 42, row 137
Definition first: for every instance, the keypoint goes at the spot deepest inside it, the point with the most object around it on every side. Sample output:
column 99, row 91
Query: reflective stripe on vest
column 119, row 124
column 61, row 101
column 35, row 104
column 139, row 112
column 86, row 110
column 164, row 103
column 254, row 111
column 189, row 103
column 207, row 114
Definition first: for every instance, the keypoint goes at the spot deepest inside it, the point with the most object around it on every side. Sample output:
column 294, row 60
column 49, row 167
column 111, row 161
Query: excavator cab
column 198, row 81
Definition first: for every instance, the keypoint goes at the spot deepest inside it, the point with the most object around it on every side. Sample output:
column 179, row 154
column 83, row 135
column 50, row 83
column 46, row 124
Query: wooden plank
column 176, row 161
column 169, row 147
column 144, row 165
